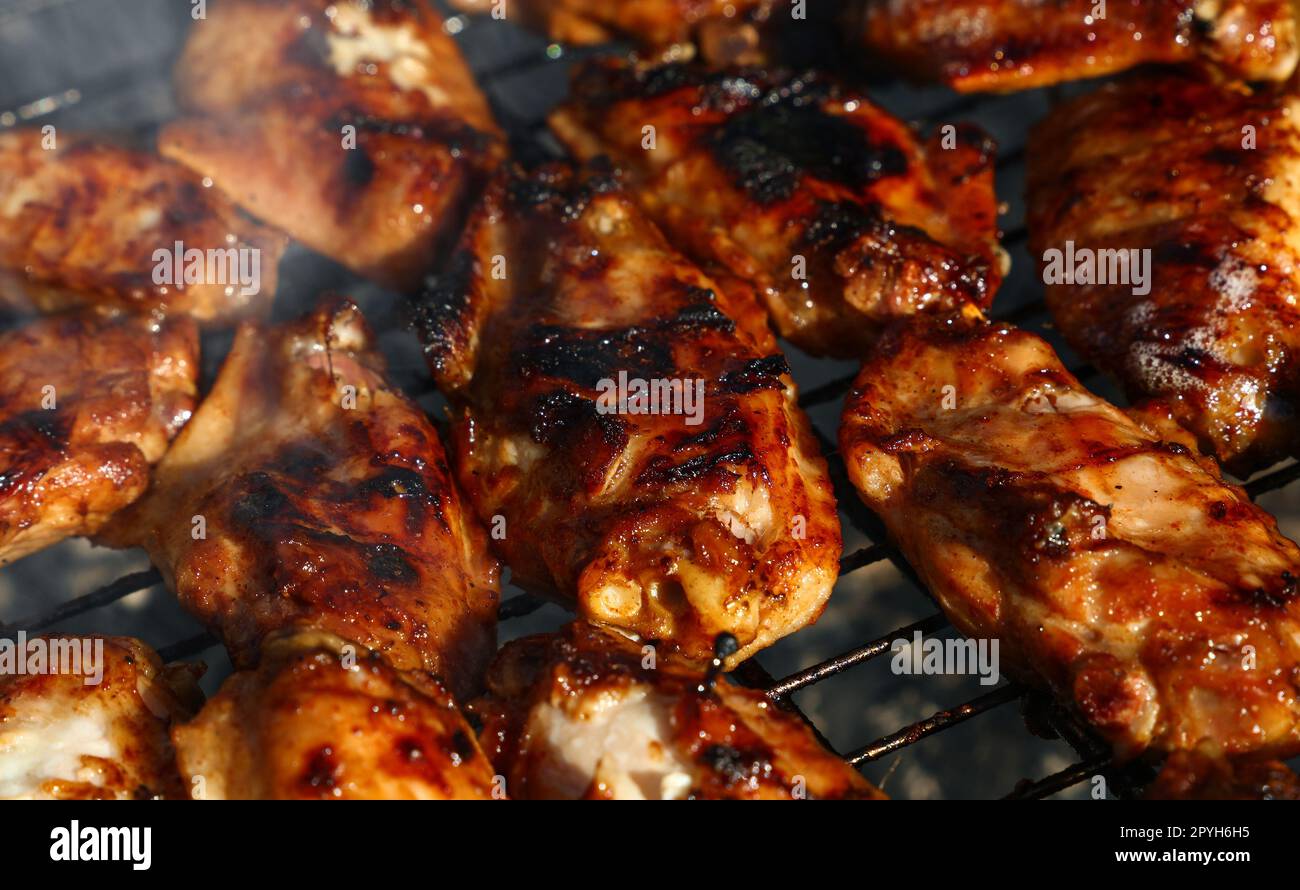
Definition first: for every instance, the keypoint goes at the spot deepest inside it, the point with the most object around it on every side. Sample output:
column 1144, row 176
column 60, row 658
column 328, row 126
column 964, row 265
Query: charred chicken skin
column 1115, row 567
column 1204, row 178
column 355, row 127
column 317, row 721
column 306, row 492
column 702, row 509
column 81, row 224
column 98, row 730
column 833, row 212
column 587, row 713
column 87, row 404
column 1003, row 45
column 720, row 31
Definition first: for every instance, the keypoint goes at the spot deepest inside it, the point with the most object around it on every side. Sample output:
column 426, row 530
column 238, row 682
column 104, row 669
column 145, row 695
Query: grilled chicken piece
column 92, row 722
column 317, row 721
column 587, row 713
column 674, row 526
column 354, row 127
column 831, row 210
column 308, row 493
column 87, row 404
column 1116, row 567
column 724, row 32
column 82, row 224
column 1204, row 177
column 1004, row 45
column 1189, row 776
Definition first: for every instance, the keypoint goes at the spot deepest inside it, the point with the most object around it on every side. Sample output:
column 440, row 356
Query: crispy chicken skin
column 673, row 526
column 828, row 208
column 326, row 503
column 80, row 225
column 317, row 721
column 87, row 404
column 1118, row 568
column 355, row 128
column 721, row 31
column 1003, row 45
column 1205, row 177
column 587, row 713
column 64, row 738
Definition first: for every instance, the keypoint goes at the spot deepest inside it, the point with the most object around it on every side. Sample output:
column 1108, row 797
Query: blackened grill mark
column 835, row 224
column 439, row 313
column 729, row 424
column 558, row 416
column 406, row 485
column 769, row 148
column 660, row 472
column 388, row 563
column 756, row 374
column 558, row 191
column 262, row 501
column 587, row 357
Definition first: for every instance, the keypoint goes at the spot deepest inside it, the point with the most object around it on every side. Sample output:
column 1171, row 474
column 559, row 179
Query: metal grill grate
column 531, row 142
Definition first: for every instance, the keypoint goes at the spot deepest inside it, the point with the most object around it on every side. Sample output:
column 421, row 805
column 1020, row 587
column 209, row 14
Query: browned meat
column 1117, row 568
column 828, row 208
column 354, row 127
column 96, row 728
column 81, row 224
column 315, row 721
column 587, row 713
column 1017, row 44
column 705, row 511
column 722, row 31
column 308, row 493
column 87, row 404
column 1189, row 776
column 1205, row 178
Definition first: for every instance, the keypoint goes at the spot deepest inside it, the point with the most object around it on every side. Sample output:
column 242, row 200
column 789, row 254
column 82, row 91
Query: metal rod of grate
column 1095, row 757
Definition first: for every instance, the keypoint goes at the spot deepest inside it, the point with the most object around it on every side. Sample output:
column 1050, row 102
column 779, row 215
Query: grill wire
column 531, row 142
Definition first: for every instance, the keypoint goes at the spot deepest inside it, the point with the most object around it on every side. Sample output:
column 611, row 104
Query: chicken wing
column 88, row 224
column 831, row 210
column 92, row 722
column 355, row 127
column 87, row 404
column 724, row 32
column 316, row 721
column 625, row 427
column 306, row 492
column 1004, row 45
column 1117, row 568
column 587, row 713
column 1202, row 178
